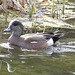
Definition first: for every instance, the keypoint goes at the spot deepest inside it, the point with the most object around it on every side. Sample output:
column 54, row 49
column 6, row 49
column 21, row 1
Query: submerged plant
column 31, row 11
column 63, row 7
column 53, row 8
column 6, row 11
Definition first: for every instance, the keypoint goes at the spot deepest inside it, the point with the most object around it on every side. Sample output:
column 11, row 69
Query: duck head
column 17, row 28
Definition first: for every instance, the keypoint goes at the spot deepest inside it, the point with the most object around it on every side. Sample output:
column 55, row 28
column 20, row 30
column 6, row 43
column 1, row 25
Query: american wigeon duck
column 30, row 41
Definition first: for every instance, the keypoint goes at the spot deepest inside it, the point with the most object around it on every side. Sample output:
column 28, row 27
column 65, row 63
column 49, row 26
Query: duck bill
column 8, row 29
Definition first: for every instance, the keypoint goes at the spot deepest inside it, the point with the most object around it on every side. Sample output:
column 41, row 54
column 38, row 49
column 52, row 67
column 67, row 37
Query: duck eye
column 15, row 24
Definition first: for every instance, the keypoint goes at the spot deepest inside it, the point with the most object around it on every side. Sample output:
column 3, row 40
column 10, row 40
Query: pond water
column 58, row 59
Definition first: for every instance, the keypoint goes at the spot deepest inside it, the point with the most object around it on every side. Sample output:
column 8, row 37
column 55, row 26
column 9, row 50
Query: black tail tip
column 57, row 37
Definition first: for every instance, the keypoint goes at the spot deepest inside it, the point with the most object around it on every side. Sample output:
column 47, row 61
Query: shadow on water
column 57, row 59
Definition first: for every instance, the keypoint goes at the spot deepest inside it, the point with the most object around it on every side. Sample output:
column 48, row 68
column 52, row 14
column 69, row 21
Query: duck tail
column 57, row 37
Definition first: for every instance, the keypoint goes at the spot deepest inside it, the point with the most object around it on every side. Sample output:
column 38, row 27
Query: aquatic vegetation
column 63, row 7
column 35, row 13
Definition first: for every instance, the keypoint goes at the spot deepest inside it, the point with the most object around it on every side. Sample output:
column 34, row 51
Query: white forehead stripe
column 11, row 22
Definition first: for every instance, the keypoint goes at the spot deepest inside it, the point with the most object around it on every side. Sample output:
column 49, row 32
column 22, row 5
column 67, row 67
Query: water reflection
column 6, row 45
column 8, row 66
column 4, row 55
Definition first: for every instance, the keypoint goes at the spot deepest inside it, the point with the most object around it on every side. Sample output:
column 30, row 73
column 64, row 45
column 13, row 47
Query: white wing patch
column 50, row 42
column 34, row 42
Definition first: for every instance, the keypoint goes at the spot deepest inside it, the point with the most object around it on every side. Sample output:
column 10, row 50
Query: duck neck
column 17, row 33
